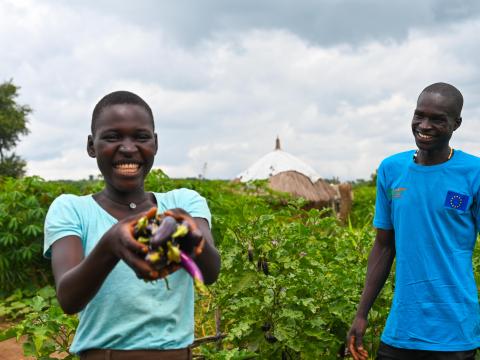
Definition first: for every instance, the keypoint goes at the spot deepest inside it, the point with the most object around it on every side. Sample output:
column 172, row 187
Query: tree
column 13, row 124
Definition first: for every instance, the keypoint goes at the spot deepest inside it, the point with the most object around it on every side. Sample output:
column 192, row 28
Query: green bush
column 363, row 206
column 302, row 307
column 23, row 206
column 46, row 328
column 295, row 299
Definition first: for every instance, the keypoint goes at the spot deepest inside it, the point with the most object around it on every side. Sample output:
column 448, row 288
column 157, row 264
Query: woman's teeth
column 127, row 168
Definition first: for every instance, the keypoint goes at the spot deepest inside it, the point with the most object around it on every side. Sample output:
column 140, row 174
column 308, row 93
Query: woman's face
column 124, row 144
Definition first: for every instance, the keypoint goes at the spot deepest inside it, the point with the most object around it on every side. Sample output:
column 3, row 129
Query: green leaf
column 247, row 280
column 7, row 334
column 38, row 303
column 29, row 348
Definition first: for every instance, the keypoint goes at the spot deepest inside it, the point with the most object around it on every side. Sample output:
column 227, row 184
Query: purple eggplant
column 191, row 267
column 265, row 267
column 167, row 227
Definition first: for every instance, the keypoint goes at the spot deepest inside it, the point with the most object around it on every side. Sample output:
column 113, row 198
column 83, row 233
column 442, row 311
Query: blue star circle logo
column 456, row 201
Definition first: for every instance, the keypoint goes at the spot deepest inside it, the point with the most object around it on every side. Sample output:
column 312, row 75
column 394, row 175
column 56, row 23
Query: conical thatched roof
column 325, row 190
column 274, row 163
column 300, row 185
column 289, row 174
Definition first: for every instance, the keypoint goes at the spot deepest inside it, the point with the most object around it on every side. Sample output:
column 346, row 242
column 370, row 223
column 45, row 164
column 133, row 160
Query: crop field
column 290, row 281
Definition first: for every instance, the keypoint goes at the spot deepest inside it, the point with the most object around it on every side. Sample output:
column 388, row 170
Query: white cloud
column 223, row 100
column 69, row 164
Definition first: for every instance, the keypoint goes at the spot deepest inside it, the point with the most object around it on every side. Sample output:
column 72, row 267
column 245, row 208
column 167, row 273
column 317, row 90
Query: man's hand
column 355, row 339
column 379, row 264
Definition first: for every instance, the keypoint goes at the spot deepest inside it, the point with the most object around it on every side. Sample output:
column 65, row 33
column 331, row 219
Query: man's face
column 124, row 145
column 434, row 121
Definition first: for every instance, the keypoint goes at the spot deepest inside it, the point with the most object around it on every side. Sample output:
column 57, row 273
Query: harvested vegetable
column 172, row 240
column 191, row 267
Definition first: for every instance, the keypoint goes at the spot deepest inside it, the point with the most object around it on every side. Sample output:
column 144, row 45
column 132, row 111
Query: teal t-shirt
column 434, row 211
column 127, row 313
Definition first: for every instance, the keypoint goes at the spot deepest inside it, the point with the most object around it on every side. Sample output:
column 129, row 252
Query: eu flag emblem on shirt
column 456, row 201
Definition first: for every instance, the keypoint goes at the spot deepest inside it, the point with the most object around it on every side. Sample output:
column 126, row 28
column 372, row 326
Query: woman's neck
column 124, row 198
column 121, row 205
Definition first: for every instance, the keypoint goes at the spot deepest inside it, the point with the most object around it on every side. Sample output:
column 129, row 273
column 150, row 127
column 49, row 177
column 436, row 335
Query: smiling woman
column 96, row 261
column 124, row 143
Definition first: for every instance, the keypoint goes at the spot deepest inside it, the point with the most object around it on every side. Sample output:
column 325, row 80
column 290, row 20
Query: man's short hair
column 118, row 98
column 448, row 91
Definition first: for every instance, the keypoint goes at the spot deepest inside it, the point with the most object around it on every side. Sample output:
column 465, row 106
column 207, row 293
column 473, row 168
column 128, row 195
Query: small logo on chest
column 396, row 193
column 456, row 201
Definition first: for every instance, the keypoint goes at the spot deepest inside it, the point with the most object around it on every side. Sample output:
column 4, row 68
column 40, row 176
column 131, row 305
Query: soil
column 12, row 350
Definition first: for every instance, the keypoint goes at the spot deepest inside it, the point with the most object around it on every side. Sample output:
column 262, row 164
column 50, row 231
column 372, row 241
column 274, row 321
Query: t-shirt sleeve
column 476, row 209
column 193, row 203
column 382, row 218
column 62, row 220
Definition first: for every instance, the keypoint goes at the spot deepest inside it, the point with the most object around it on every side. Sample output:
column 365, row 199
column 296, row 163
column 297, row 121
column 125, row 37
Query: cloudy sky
column 336, row 80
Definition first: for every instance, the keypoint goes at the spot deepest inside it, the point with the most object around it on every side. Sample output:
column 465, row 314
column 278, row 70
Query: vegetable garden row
column 288, row 289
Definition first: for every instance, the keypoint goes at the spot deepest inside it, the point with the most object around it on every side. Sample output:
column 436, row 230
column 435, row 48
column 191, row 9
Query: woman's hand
column 120, row 242
column 196, row 242
column 191, row 244
column 176, row 230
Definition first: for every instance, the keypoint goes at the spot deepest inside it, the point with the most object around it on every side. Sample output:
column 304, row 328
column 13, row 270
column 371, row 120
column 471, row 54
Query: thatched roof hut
column 326, row 190
column 300, row 185
column 275, row 162
column 288, row 173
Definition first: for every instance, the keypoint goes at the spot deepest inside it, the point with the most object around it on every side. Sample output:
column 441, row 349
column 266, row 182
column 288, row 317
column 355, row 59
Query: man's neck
column 434, row 156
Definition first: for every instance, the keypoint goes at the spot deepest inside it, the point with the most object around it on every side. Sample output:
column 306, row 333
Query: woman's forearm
column 79, row 284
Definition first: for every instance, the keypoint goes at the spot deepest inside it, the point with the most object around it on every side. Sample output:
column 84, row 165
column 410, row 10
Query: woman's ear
column 90, row 148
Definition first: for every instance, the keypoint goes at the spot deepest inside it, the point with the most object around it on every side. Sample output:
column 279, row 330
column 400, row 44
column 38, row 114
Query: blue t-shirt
column 434, row 211
column 127, row 313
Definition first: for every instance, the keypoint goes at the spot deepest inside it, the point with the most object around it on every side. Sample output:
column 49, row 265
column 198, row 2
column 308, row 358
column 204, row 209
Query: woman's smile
column 127, row 169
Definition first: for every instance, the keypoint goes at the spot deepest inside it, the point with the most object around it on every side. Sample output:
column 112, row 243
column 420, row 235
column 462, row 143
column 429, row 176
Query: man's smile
column 424, row 136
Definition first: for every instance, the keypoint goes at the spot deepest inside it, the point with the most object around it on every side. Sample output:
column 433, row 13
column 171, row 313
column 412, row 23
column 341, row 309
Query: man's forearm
column 379, row 265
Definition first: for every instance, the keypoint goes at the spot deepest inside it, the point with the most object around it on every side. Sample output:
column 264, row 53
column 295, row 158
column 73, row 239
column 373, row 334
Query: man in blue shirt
column 427, row 217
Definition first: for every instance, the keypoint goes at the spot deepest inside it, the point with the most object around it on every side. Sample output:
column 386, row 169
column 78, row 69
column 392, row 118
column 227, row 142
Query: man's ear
column 458, row 122
column 90, row 149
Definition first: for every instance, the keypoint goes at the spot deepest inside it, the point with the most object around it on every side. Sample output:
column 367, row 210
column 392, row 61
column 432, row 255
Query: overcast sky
column 336, row 80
